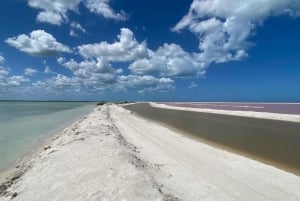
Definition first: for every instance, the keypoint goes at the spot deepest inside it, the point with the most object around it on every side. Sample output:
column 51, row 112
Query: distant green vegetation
column 113, row 102
column 101, row 103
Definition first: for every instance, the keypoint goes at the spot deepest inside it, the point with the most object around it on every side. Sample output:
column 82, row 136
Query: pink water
column 281, row 108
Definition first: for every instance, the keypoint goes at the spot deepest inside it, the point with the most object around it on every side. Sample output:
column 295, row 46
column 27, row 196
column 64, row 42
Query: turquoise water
column 24, row 125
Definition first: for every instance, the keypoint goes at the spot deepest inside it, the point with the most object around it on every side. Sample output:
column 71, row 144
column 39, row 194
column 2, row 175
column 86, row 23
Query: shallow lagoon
column 24, row 125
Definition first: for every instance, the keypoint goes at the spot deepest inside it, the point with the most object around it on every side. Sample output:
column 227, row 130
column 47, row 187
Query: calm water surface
column 23, row 125
column 270, row 141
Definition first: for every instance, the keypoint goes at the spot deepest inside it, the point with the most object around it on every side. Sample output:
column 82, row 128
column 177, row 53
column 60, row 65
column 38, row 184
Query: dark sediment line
column 270, row 141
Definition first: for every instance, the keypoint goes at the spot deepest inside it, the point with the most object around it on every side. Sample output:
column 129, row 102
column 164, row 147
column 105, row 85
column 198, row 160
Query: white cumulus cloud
column 56, row 11
column 75, row 28
column 53, row 11
column 3, row 71
column 6, row 81
column 91, row 71
column 97, row 74
column 30, row 71
column 16, row 81
column 38, row 43
column 169, row 60
column 58, row 84
column 50, row 17
column 193, row 85
column 223, row 27
column 102, row 7
column 126, row 49
column 48, row 70
column 145, row 83
column 2, row 59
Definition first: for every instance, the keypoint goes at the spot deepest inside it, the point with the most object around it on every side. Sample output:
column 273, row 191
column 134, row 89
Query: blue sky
column 229, row 50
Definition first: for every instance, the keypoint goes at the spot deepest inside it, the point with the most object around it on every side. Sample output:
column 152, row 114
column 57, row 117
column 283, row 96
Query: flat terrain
column 271, row 141
column 112, row 154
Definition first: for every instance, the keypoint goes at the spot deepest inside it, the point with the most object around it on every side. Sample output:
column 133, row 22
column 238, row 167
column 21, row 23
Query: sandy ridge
column 90, row 160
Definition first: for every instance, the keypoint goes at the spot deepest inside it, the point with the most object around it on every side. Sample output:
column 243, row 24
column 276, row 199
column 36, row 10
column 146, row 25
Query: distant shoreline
column 92, row 101
column 55, row 101
column 251, row 114
column 246, row 102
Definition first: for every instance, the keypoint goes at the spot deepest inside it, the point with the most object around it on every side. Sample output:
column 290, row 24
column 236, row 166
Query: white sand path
column 88, row 161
